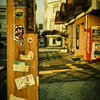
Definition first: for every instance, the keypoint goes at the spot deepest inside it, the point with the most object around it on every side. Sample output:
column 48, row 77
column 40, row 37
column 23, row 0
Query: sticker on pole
column 19, row 13
column 25, row 81
column 19, row 34
column 30, row 40
column 19, row 66
column 30, row 56
column 12, row 97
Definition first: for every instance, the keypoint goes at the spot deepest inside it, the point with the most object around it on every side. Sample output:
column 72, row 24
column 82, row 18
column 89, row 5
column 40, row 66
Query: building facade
column 51, row 6
column 84, row 15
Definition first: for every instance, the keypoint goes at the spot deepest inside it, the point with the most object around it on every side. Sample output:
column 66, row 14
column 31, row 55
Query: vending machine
column 93, row 43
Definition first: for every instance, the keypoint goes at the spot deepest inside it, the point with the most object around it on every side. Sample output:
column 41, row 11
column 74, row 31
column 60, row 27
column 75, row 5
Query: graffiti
column 31, row 15
column 31, row 3
column 30, row 11
column 21, row 3
column 18, row 34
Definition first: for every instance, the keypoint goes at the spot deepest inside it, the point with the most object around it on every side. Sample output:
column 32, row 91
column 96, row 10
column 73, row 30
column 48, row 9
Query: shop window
column 77, row 37
column 59, row 39
column 2, row 16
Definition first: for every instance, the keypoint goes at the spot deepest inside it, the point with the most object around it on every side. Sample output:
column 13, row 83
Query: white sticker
column 30, row 56
column 30, row 40
column 25, row 81
column 12, row 97
column 19, row 66
column 37, row 80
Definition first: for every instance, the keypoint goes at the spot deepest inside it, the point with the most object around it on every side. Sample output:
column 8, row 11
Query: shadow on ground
column 77, row 72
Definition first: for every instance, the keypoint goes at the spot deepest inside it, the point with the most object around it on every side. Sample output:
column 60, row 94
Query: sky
column 39, row 12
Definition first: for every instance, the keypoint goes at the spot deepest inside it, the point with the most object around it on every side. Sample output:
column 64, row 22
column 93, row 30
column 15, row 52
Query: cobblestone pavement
column 81, row 90
column 61, row 78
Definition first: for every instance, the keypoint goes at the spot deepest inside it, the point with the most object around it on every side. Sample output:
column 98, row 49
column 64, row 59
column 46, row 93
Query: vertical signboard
column 22, row 50
column 88, row 44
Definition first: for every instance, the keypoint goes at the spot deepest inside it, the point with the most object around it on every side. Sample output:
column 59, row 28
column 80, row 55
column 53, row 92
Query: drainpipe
column 86, row 21
column 85, row 34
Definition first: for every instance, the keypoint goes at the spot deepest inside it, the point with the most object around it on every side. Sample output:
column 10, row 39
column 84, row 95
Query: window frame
column 77, row 36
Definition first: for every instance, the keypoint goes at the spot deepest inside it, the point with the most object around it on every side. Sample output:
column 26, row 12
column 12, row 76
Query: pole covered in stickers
column 22, row 51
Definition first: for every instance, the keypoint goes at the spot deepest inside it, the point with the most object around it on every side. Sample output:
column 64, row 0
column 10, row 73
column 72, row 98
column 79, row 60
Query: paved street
column 3, row 74
column 3, row 64
column 3, row 57
column 61, row 78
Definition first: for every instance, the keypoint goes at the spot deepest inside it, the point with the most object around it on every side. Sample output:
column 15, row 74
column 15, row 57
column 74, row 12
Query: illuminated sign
column 88, row 42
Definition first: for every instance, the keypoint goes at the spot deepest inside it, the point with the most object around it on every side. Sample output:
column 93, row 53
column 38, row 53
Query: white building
column 2, row 21
column 50, row 8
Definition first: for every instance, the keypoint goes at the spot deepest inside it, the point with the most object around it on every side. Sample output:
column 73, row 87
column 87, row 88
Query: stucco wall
column 82, row 24
column 93, row 20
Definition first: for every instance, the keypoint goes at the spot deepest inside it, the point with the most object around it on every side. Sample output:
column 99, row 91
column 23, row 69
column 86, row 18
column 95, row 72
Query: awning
column 66, row 10
column 80, row 2
column 63, row 15
column 69, row 8
column 57, row 18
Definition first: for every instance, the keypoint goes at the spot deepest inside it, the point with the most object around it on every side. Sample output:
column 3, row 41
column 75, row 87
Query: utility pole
column 22, row 51
column 34, row 17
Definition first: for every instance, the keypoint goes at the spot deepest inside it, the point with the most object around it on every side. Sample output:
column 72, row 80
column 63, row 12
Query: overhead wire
column 42, row 1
